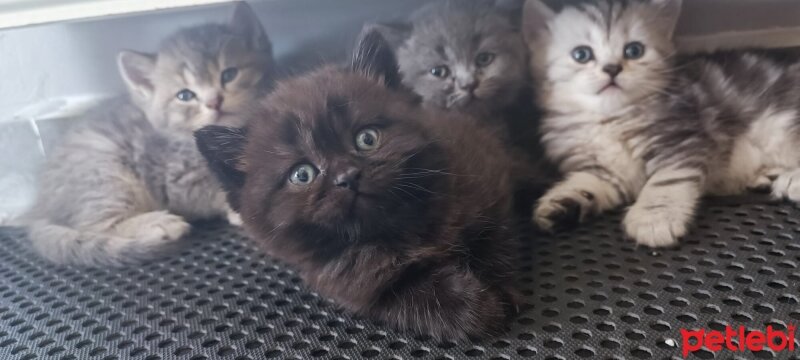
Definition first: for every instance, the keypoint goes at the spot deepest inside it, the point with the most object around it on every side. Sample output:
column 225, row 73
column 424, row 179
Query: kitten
column 629, row 121
column 469, row 56
column 460, row 54
column 387, row 208
column 125, row 181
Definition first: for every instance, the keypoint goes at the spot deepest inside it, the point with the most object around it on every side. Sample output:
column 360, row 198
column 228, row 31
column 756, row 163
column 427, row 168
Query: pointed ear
column 245, row 22
column 375, row 58
column 136, row 70
column 668, row 14
column 395, row 33
column 535, row 16
column 223, row 148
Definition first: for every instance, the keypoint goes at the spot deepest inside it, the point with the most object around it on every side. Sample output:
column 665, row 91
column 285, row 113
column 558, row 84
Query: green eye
column 582, row 54
column 303, row 175
column 484, row 59
column 634, row 50
column 229, row 74
column 441, row 71
column 367, row 139
column 185, row 95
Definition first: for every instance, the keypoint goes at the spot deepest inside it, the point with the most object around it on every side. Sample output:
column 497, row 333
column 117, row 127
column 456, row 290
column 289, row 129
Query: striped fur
column 123, row 184
column 674, row 129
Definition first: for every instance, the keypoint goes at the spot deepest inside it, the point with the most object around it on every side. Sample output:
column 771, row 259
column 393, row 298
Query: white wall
column 43, row 62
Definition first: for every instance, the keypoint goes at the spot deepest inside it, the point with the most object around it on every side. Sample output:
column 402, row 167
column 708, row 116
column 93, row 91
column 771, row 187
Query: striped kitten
column 628, row 122
column 125, row 182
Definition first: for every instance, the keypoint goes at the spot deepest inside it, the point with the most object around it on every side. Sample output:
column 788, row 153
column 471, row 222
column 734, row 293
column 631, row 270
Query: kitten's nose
column 612, row 70
column 348, row 179
column 468, row 84
column 215, row 103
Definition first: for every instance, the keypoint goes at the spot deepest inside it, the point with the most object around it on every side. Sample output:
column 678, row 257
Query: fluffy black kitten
column 398, row 213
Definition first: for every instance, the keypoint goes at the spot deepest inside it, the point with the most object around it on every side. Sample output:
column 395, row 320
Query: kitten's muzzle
column 612, row 70
column 348, row 179
column 467, row 84
column 215, row 103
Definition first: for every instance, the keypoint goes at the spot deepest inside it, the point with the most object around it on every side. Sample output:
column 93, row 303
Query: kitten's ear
column 395, row 33
column 375, row 58
column 669, row 12
column 137, row 69
column 535, row 16
column 223, row 149
column 245, row 22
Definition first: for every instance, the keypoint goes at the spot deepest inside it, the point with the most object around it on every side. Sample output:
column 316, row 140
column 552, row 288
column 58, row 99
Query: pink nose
column 215, row 103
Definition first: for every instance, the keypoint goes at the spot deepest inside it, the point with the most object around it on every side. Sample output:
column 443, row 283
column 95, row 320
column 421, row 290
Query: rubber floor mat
column 588, row 294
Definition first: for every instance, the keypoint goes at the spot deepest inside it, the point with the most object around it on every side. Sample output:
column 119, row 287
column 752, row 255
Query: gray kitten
column 629, row 122
column 126, row 180
column 461, row 54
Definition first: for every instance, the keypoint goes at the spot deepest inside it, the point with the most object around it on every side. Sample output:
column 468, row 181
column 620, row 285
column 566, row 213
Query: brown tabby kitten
column 387, row 208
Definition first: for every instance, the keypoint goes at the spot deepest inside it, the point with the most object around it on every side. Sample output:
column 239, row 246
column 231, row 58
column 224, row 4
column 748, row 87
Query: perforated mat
column 588, row 294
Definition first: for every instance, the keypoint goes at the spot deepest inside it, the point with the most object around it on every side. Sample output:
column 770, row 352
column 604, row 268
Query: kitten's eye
column 634, row 50
column 229, row 74
column 441, row 71
column 484, row 59
column 367, row 139
column 582, row 54
column 303, row 175
column 185, row 95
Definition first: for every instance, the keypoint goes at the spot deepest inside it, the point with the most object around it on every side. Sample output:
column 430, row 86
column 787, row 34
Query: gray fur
column 124, row 183
column 453, row 33
column 675, row 129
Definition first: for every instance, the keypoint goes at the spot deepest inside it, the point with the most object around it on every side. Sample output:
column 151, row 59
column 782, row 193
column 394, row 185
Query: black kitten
column 398, row 213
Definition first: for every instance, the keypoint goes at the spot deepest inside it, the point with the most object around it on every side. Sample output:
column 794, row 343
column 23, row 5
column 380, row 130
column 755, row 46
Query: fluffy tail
column 68, row 246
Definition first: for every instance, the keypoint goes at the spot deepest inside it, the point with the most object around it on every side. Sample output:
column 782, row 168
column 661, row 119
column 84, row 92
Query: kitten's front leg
column 580, row 195
column 665, row 207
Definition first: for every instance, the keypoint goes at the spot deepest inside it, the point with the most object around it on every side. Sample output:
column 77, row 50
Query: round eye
column 634, row 50
column 185, row 95
column 582, row 54
column 440, row 71
column 303, row 175
column 229, row 74
column 484, row 59
column 367, row 139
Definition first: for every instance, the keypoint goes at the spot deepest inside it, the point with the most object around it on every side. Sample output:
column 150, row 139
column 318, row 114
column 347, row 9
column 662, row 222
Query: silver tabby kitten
column 461, row 54
column 126, row 180
column 629, row 122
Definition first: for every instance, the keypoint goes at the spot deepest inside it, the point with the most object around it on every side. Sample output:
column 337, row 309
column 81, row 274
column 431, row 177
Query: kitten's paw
column 787, row 186
column 562, row 211
column 234, row 218
column 161, row 226
column 761, row 185
column 765, row 180
column 656, row 226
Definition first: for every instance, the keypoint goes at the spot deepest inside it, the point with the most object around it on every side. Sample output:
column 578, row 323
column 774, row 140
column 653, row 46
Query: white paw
column 162, row 226
column 787, row 186
column 562, row 208
column 234, row 218
column 657, row 225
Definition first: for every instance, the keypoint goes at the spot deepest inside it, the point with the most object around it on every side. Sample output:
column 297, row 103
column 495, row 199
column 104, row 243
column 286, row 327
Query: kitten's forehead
column 203, row 51
column 610, row 23
column 318, row 110
column 458, row 26
column 605, row 14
